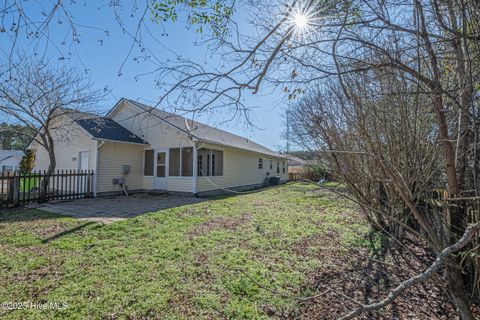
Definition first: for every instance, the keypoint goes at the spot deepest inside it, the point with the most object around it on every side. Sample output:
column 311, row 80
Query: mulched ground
column 367, row 277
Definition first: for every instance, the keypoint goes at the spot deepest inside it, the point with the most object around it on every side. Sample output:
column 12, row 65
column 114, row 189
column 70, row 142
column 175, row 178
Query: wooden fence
column 17, row 189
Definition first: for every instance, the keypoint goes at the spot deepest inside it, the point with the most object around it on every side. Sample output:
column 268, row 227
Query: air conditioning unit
column 274, row 181
column 118, row 180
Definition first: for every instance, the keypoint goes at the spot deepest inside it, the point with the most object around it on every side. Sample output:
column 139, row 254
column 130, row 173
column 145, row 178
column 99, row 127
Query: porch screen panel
column 174, row 162
column 203, row 168
column 200, row 165
column 218, row 156
column 148, row 163
column 187, row 162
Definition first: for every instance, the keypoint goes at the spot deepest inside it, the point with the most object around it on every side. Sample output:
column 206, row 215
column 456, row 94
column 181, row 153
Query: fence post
column 89, row 184
column 16, row 190
column 9, row 189
column 43, row 187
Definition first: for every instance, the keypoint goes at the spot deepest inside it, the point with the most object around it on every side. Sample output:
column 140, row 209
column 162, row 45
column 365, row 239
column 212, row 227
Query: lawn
column 245, row 256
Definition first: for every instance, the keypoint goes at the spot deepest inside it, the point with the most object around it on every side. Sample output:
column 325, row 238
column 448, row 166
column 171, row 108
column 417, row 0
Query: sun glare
column 300, row 20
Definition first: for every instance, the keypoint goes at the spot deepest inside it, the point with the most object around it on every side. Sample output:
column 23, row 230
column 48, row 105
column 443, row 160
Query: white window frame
column 80, row 159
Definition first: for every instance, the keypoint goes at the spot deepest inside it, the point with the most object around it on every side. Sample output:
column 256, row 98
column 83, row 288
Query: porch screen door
column 160, row 176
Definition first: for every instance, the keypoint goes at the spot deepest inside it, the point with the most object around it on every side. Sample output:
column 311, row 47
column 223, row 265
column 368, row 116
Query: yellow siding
column 151, row 129
column 240, row 168
column 182, row 184
column 111, row 157
column 147, row 182
column 70, row 139
column 160, row 136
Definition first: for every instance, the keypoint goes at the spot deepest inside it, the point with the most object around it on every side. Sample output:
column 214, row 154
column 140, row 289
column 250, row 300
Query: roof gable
column 201, row 131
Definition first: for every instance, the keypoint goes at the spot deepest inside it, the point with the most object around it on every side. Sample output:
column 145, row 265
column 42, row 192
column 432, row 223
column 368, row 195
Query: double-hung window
column 210, row 162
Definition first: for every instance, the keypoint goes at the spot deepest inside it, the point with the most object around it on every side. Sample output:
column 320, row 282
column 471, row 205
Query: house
column 150, row 149
column 10, row 160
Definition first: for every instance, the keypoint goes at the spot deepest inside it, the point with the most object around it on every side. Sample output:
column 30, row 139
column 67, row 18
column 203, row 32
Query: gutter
column 121, row 141
column 277, row 156
column 95, row 176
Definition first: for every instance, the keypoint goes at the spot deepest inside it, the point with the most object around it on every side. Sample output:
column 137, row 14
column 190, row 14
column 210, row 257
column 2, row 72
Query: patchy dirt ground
column 366, row 275
column 251, row 256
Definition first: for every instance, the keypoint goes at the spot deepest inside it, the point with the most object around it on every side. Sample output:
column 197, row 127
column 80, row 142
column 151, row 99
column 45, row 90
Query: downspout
column 95, row 174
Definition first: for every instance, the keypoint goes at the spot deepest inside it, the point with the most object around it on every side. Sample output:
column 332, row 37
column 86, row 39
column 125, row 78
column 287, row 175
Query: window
column 217, row 162
column 278, row 166
column 283, row 167
column 260, row 163
column 174, row 162
column 213, row 164
column 161, row 162
column 200, row 165
column 83, row 160
column 148, row 163
column 187, row 162
column 210, row 162
column 181, row 162
column 271, row 164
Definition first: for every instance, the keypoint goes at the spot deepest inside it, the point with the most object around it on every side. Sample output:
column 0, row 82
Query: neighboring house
column 10, row 160
column 156, row 150
column 295, row 167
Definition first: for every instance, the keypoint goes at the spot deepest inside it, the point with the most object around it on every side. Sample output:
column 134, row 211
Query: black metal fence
column 17, row 189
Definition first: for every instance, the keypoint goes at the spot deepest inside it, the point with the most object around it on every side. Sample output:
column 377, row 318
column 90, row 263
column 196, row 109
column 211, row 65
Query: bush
column 316, row 172
column 28, row 161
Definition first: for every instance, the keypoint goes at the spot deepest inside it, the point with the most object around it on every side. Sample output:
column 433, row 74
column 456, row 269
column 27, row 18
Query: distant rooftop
column 6, row 154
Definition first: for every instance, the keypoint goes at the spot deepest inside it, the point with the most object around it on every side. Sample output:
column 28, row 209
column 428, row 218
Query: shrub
column 28, row 161
column 316, row 172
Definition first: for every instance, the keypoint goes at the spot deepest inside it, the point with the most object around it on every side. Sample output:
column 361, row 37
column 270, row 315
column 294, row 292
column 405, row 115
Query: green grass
column 217, row 259
column 332, row 184
column 28, row 183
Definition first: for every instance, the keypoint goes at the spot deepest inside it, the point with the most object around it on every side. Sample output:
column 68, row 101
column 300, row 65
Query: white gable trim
column 123, row 101
column 120, row 104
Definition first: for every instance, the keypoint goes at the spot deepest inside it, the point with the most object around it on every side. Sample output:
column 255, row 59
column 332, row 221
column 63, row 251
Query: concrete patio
column 111, row 209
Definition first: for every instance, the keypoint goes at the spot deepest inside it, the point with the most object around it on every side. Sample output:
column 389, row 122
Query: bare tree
column 400, row 118
column 37, row 95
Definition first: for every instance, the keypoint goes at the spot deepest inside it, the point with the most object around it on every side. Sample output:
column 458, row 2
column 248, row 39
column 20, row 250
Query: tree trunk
column 51, row 169
column 455, row 288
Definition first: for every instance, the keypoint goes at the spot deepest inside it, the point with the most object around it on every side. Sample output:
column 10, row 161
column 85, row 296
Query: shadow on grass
column 369, row 276
column 66, row 232
column 232, row 193
column 26, row 215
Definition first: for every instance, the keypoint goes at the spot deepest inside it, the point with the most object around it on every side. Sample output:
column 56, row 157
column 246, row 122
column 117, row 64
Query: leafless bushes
column 395, row 107
column 383, row 140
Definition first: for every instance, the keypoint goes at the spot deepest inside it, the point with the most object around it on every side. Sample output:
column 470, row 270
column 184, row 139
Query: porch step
column 157, row 192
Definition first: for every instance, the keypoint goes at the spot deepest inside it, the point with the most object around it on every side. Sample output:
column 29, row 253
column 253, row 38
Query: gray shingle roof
column 207, row 133
column 107, row 129
column 295, row 161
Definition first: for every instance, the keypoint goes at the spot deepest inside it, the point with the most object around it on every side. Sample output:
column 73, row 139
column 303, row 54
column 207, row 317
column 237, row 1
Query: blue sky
column 103, row 56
